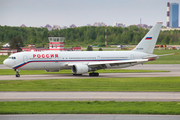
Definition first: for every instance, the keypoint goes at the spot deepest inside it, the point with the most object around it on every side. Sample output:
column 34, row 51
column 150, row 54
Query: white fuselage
column 56, row 60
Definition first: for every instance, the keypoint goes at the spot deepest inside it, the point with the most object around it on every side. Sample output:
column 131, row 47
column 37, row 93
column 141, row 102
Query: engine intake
column 79, row 69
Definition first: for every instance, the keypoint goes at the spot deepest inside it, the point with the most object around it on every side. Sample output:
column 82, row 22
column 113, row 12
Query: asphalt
column 89, row 117
column 4, row 67
column 173, row 68
column 81, row 96
column 101, row 75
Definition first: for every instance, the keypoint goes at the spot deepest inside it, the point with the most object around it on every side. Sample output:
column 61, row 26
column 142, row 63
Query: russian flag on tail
column 148, row 38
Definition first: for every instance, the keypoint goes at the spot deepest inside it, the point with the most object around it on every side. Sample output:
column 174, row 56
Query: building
column 55, row 44
column 116, row 24
column 72, row 26
column 56, row 27
column 64, row 27
column 88, row 25
column 173, row 15
column 98, row 24
column 23, row 25
column 48, row 27
column 143, row 26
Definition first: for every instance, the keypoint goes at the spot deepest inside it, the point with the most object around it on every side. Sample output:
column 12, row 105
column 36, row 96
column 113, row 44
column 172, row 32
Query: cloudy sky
column 82, row 12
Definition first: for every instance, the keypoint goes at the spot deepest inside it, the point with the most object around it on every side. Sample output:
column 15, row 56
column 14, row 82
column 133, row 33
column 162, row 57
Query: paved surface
column 80, row 96
column 102, row 75
column 89, row 117
column 4, row 67
column 168, row 67
column 173, row 68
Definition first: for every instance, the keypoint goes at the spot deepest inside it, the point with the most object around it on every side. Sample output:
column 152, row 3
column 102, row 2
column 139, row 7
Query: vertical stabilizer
column 147, row 44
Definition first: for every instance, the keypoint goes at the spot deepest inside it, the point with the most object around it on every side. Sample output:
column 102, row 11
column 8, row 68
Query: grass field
column 35, row 72
column 89, row 107
column 168, row 84
column 2, row 58
column 172, row 59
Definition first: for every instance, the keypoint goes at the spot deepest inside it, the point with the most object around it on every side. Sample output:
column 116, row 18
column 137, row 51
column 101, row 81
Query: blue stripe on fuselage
column 22, row 64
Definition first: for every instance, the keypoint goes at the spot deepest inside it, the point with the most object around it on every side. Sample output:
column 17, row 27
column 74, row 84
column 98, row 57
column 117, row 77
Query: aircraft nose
column 5, row 62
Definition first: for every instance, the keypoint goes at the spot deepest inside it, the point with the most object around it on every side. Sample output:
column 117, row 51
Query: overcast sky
column 82, row 12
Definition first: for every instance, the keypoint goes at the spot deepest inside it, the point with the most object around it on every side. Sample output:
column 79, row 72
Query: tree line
column 84, row 36
column 29, row 35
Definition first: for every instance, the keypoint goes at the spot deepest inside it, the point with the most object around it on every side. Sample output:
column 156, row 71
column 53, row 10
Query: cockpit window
column 11, row 57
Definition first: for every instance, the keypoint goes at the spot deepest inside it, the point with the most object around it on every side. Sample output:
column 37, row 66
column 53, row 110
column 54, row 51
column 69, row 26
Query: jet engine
column 79, row 69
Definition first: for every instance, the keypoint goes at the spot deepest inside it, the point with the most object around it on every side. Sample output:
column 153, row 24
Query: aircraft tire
column 93, row 74
column 77, row 74
column 17, row 75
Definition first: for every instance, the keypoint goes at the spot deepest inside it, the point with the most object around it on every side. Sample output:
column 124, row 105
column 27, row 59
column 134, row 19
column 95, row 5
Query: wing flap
column 117, row 62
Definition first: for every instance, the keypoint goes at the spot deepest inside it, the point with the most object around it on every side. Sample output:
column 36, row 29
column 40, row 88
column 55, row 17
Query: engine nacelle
column 79, row 69
column 52, row 70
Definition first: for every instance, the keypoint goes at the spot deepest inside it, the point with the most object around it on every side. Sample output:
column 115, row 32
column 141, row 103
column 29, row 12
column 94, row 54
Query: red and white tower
column 105, row 36
column 168, row 4
column 56, row 43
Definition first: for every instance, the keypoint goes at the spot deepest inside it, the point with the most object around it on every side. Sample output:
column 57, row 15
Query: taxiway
column 89, row 117
column 173, row 68
column 81, row 96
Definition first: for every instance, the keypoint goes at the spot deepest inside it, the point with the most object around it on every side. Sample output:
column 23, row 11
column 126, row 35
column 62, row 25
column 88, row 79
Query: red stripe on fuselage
column 62, row 61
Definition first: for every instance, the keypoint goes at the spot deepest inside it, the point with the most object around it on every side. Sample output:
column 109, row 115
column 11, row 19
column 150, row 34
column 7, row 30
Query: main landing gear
column 93, row 74
column 77, row 74
column 17, row 73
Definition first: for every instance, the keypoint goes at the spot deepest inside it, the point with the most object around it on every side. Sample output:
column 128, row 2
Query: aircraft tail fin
column 147, row 44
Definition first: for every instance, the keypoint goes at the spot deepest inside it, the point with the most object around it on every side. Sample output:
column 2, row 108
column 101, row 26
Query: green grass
column 89, row 107
column 35, row 72
column 2, row 58
column 168, row 84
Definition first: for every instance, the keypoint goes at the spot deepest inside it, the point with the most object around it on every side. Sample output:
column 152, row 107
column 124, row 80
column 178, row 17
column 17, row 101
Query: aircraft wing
column 113, row 62
column 117, row 62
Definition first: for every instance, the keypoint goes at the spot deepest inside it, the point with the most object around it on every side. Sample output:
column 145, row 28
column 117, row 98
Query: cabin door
column 132, row 57
column 25, row 58
column 98, row 57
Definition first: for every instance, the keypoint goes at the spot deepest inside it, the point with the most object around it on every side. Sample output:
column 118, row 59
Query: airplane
column 96, row 46
column 81, row 62
column 6, row 45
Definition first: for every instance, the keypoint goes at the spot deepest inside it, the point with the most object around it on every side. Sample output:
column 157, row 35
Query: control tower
column 56, row 43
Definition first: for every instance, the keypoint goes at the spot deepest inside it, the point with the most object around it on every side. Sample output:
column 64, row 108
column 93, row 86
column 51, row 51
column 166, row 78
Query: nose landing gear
column 17, row 73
